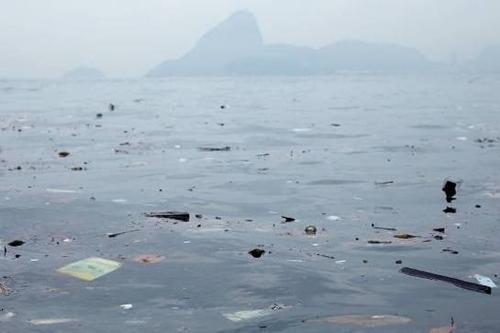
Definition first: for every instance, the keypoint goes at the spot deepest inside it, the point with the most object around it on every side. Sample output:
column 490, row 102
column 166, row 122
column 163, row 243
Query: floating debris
column 379, row 242
column 363, row 320
column 450, row 210
column 148, row 258
column 52, row 321
column 5, row 317
column 287, row 219
column 441, row 230
column 383, row 228
column 126, row 306
column 122, row 233
column 450, row 190
column 311, row 230
column 450, row 250
column 405, row 236
column 180, row 216
column 459, row 283
column 63, row 154
column 252, row 314
column 16, row 243
column 212, row 149
column 257, row 253
column 90, row 269
column 484, row 280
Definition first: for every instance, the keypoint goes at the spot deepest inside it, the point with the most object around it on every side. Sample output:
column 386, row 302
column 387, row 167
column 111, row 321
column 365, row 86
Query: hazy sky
column 126, row 38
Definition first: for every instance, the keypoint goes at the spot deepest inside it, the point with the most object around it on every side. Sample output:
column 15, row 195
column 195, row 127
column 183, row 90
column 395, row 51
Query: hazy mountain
column 84, row 74
column 235, row 47
column 488, row 60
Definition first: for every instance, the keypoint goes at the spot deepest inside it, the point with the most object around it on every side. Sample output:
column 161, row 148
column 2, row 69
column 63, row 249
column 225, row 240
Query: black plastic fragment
column 458, row 283
column 16, row 243
column 180, row 216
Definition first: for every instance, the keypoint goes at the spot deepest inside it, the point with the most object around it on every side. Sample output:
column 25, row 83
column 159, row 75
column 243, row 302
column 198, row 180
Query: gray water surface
column 317, row 149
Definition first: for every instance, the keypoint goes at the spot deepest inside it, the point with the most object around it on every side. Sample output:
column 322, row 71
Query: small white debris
column 485, row 281
column 126, row 306
column 334, row 218
column 52, row 321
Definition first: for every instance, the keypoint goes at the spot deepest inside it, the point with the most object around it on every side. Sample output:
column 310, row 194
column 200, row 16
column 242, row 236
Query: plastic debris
column 180, row 216
column 90, row 269
column 379, row 242
column 405, row 236
column 459, row 283
column 252, row 314
column 121, row 233
column 383, row 228
column 287, row 219
column 52, row 321
column 212, row 149
column 484, row 280
column 310, row 230
column 450, row 190
column 63, row 154
column 148, row 258
column 364, row 320
column 126, row 306
column 4, row 317
column 450, row 210
column 16, row 243
column 257, row 253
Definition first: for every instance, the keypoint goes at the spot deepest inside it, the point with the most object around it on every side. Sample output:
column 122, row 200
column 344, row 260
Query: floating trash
column 90, row 269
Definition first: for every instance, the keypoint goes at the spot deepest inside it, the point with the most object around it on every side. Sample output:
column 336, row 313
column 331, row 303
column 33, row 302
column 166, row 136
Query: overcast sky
column 126, row 38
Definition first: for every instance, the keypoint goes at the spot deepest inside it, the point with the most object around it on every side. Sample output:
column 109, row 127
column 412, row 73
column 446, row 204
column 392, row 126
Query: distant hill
column 487, row 61
column 235, row 47
column 84, row 74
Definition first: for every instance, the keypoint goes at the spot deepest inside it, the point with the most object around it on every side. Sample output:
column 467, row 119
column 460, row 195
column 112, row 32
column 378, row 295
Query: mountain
column 84, row 74
column 235, row 47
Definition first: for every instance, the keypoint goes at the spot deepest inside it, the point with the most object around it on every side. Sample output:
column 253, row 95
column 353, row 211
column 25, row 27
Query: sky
column 126, row 38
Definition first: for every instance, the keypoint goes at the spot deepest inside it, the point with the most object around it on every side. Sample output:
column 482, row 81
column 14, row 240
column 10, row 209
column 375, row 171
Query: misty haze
column 249, row 166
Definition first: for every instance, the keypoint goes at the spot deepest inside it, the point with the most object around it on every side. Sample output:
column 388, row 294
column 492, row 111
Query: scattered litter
column 389, row 182
column 340, row 261
column 450, row 251
column 287, row 219
column 252, row 314
column 310, row 230
column 148, row 258
column 126, row 306
column 257, row 253
column 459, row 283
column 379, row 242
column 111, row 107
column 405, row 236
column 325, row 256
column 58, row 190
column 4, row 317
column 333, row 218
column 52, row 321
column 450, row 210
column 364, row 320
column 450, row 190
column 484, row 280
column 441, row 230
column 226, row 148
column 63, row 154
column 90, row 269
column 16, row 243
column 446, row 329
column 383, row 228
column 180, row 216
column 121, row 233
